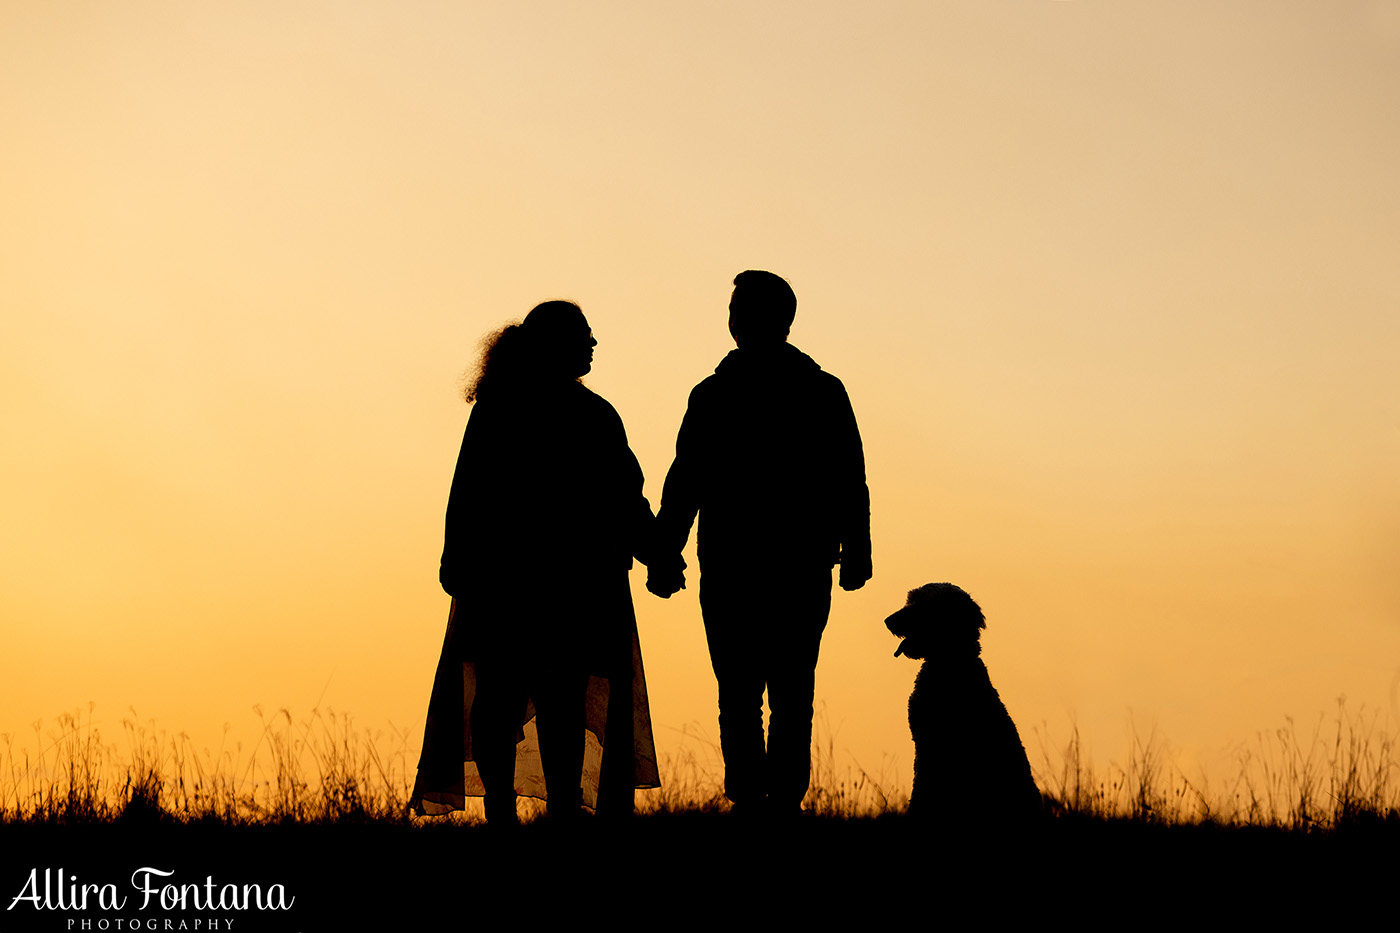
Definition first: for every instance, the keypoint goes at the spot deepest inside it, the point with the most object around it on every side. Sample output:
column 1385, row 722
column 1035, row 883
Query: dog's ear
column 972, row 612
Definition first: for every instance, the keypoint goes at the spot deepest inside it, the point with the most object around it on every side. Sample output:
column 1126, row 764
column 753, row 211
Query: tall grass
column 319, row 769
column 1340, row 772
column 323, row 768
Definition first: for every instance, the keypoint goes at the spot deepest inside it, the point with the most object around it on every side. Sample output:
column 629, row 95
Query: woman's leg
column 558, row 690
column 617, row 785
column 495, row 717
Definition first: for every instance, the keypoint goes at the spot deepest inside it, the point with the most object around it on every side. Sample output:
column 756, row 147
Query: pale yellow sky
column 1112, row 287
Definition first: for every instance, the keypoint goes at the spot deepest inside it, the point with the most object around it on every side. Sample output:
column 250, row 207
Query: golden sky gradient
column 1113, row 288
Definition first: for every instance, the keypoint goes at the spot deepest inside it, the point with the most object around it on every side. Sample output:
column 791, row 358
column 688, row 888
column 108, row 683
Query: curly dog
column 969, row 763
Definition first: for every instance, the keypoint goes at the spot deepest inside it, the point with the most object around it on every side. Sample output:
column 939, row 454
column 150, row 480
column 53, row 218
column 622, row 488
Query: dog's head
column 937, row 616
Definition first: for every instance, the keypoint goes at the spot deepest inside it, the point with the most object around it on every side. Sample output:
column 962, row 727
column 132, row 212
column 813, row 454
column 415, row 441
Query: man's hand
column 666, row 576
column 854, row 572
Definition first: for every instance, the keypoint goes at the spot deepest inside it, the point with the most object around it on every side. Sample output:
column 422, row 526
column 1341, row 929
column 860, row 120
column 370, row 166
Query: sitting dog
column 969, row 764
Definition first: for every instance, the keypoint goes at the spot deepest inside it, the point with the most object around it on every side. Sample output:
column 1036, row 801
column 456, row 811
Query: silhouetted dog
column 969, row 765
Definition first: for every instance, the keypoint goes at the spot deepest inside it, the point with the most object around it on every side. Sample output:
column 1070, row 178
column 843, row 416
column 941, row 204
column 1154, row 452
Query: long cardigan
column 545, row 516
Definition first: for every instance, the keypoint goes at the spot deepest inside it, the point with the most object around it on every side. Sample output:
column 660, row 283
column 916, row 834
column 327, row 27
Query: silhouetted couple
column 545, row 516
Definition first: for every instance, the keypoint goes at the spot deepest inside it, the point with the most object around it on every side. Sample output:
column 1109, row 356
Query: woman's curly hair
column 507, row 354
column 500, row 351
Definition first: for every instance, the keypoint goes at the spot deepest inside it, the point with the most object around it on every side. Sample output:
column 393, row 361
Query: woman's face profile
column 585, row 348
column 566, row 345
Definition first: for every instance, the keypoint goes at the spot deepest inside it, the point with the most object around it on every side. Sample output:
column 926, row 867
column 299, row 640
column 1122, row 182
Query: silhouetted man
column 770, row 457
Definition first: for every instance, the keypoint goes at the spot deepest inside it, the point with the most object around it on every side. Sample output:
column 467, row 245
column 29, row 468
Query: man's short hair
column 768, row 296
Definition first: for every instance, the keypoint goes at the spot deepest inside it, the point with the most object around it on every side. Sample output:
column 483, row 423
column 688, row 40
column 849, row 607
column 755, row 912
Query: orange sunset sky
column 1114, row 289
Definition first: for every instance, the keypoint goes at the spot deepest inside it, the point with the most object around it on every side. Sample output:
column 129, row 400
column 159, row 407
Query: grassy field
column 1336, row 772
column 317, row 805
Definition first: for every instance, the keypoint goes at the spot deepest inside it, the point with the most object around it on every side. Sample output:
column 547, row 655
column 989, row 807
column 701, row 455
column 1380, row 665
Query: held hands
column 854, row 571
column 666, row 576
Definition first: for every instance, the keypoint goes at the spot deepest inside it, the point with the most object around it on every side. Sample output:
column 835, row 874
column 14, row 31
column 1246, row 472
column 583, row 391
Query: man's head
column 762, row 309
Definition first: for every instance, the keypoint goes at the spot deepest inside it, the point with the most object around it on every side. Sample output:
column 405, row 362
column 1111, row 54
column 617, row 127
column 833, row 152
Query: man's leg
column 735, row 652
column 791, row 664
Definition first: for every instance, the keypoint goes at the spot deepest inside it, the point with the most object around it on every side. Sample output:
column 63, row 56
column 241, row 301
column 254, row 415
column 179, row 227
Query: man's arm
column 853, row 497
column 680, row 501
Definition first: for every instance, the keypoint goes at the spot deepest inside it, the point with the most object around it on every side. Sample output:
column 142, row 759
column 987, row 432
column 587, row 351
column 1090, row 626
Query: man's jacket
column 770, row 457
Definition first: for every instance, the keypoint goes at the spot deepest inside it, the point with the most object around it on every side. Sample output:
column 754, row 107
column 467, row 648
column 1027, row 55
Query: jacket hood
column 780, row 360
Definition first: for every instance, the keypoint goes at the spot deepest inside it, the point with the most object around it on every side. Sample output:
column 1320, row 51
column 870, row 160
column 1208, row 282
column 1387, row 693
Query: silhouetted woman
column 545, row 516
